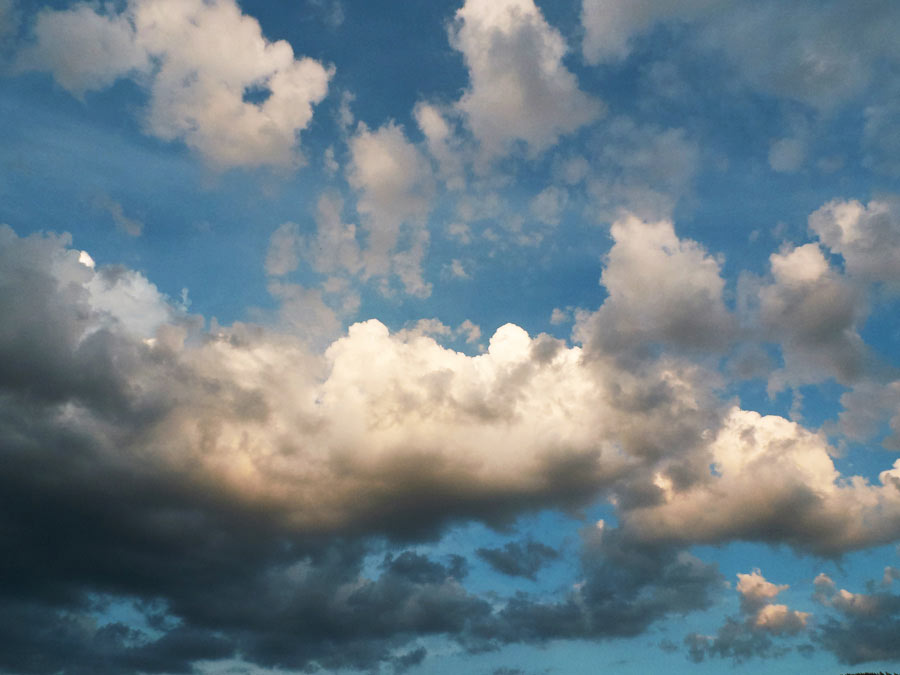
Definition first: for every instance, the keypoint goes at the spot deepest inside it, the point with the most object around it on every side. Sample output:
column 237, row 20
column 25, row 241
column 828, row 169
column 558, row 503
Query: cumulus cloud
column 662, row 289
column 85, row 50
column 396, row 187
column 763, row 467
column 519, row 88
column 254, row 476
column 866, row 406
column 750, row 634
column 199, row 61
column 814, row 313
column 866, row 236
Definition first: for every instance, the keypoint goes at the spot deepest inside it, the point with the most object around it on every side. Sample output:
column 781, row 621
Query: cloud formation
column 519, row 89
column 200, row 62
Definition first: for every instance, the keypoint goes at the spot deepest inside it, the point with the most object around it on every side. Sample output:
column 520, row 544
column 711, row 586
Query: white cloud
column 284, row 250
column 198, row 60
column 756, row 593
column 547, row 206
column 662, row 289
column 396, row 186
column 335, row 248
column 610, row 25
column 443, row 144
column 519, row 88
column 772, row 480
column 813, row 312
column 456, row 270
column 868, row 237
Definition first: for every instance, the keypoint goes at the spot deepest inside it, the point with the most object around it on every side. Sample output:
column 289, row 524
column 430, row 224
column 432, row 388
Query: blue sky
column 490, row 336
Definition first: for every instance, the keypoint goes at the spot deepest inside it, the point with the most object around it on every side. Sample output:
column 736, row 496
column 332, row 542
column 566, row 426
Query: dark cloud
column 866, row 625
column 626, row 587
column 517, row 559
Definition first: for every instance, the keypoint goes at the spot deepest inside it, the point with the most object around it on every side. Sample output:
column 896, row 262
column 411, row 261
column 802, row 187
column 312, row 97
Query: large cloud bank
column 252, row 475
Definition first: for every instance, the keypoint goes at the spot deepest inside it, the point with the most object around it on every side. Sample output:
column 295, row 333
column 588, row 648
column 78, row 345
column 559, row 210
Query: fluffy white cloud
column 662, row 289
column 772, row 480
column 519, row 88
column 868, row 237
column 199, row 60
column 396, row 186
column 85, row 50
column 814, row 313
column 756, row 595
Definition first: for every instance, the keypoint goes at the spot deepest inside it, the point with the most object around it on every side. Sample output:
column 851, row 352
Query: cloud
column 519, row 559
column 443, row 143
column 868, row 237
column 284, row 245
column 626, row 588
column 547, row 206
column 762, row 468
column 639, row 169
column 85, row 50
column 519, row 88
column 865, row 627
column 130, row 226
column 881, row 135
column 396, row 188
column 610, row 25
column 866, row 406
column 750, row 635
column 814, row 313
column 661, row 290
column 254, row 476
column 822, row 54
column 786, row 155
column 9, row 18
column 199, row 60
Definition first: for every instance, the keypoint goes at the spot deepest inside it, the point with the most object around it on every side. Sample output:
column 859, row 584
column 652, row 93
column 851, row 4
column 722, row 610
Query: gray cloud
column 865, row 628
column 517, row 559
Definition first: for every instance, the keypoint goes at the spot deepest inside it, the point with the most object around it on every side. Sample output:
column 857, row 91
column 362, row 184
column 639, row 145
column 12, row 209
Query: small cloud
column 460, row 232
column 130, row 226
column 455, row 270
column 559, row 316
column 787, row 155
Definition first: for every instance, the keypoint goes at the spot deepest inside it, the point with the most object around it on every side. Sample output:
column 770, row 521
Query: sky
column 504, row 337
